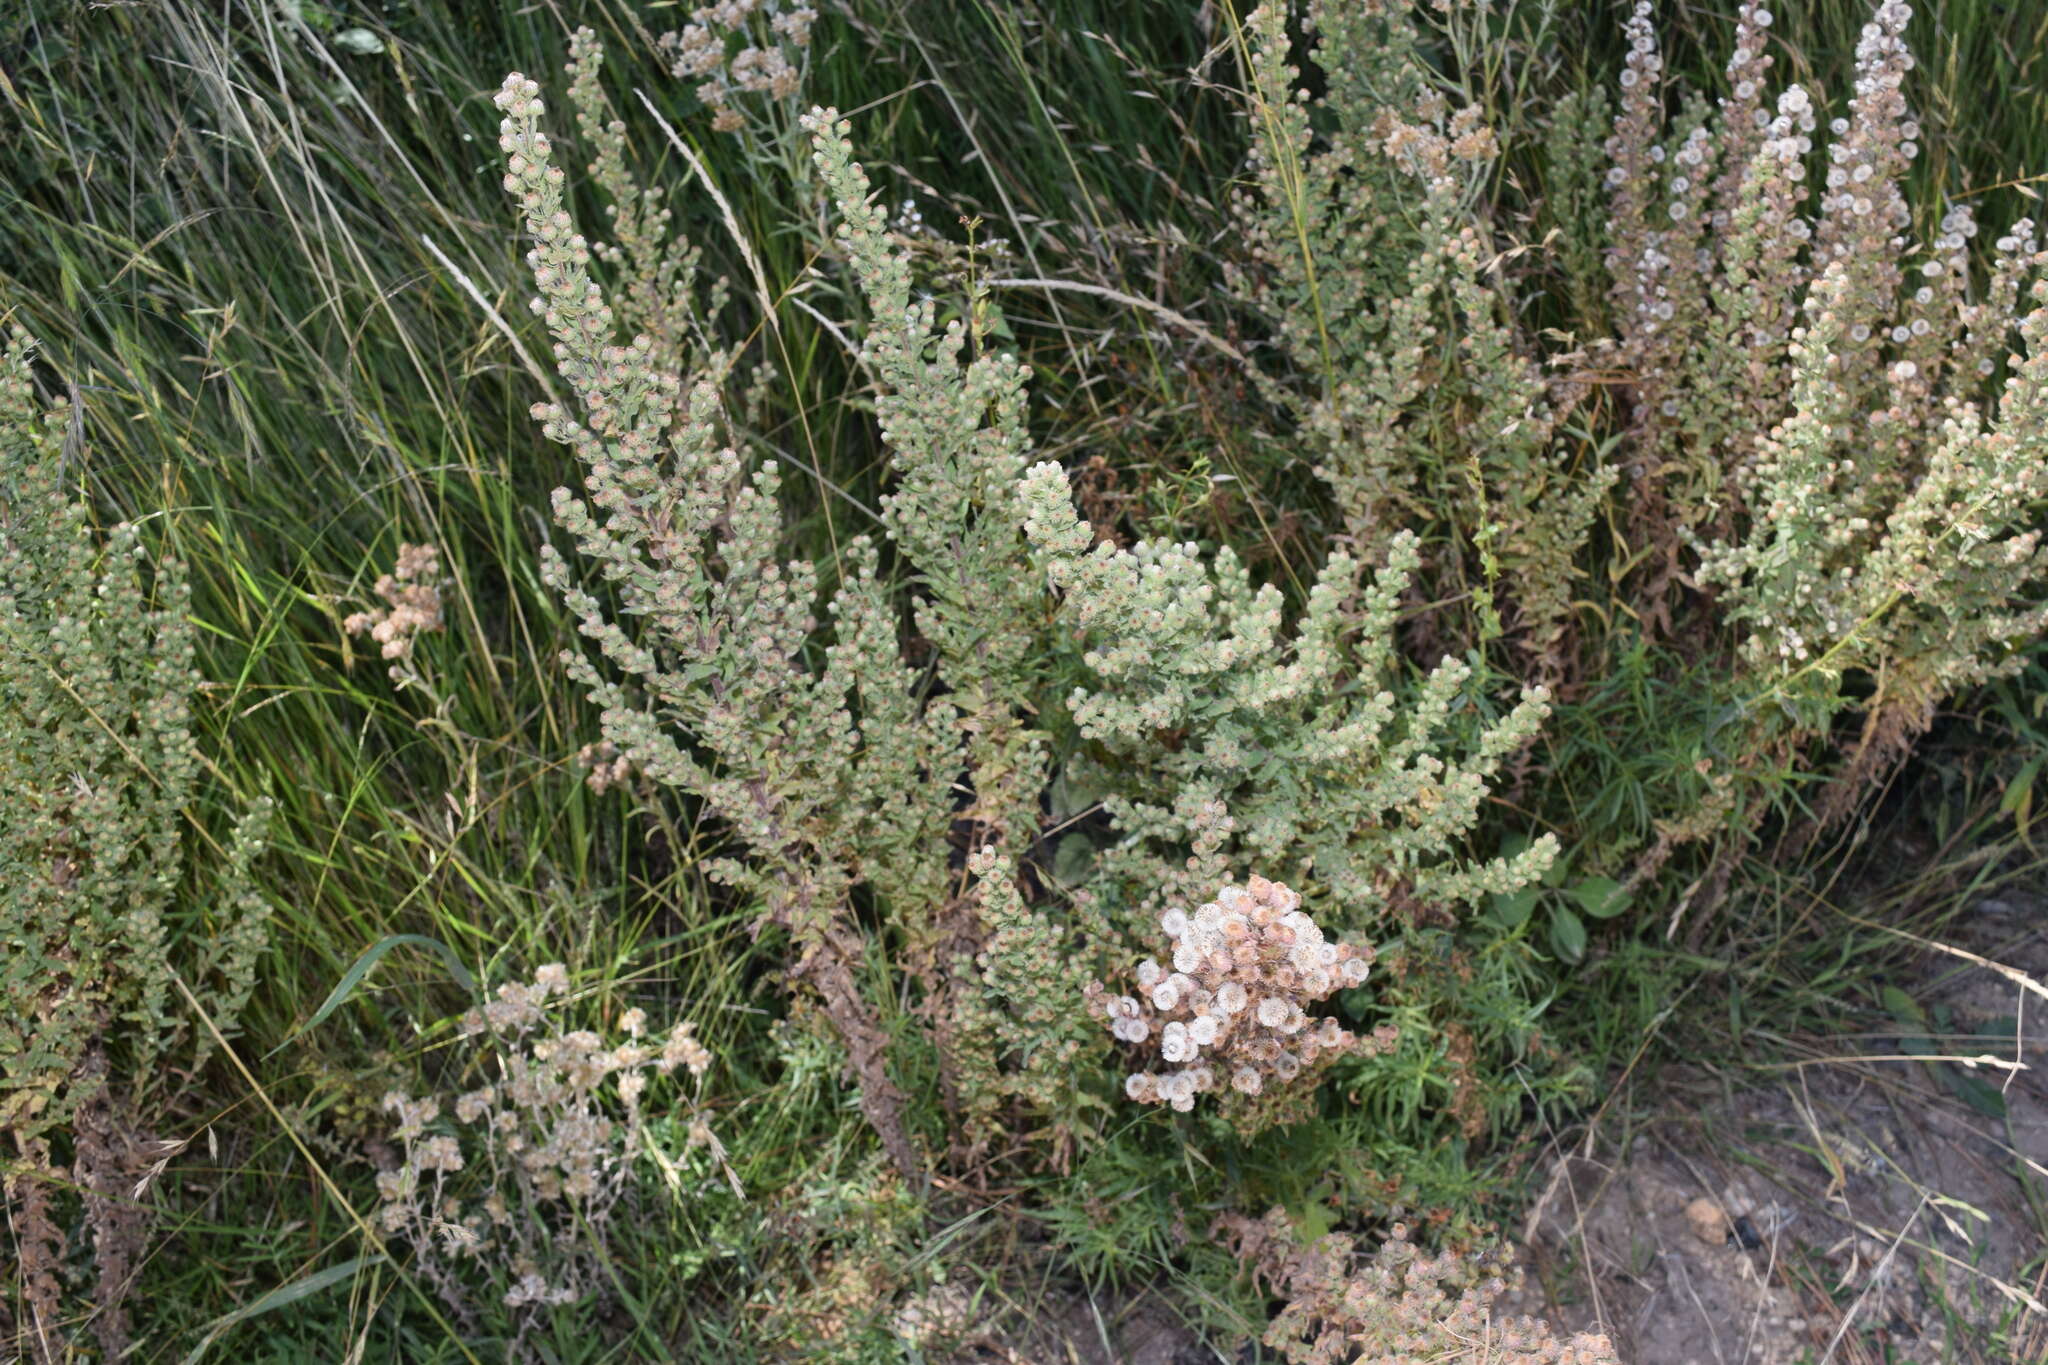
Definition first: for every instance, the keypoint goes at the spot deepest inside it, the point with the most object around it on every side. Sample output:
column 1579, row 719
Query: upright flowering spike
column 819, row 771
column 104, row 779
column 1413, row 392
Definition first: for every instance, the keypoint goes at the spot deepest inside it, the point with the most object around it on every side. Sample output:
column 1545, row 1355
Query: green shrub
column 843, row 771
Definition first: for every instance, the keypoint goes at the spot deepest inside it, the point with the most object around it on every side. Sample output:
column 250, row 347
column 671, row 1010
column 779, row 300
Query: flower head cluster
column 1228, row 1013
column 412, row 602
column 543, row 1147
column 1400, row 1304
column 604, row 766
column 740, row 47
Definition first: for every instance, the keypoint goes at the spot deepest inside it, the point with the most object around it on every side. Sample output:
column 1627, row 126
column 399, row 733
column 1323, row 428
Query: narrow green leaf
column 2018, row 801
column 279, row 1297
column 2022, row 785
column 353, row 977
column 1904, row 1008
column 1975, row 1091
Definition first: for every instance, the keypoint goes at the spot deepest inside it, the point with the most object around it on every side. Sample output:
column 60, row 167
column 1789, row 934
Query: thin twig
column 1996, row 1063
column 1876, row 1273
column 2012, row 974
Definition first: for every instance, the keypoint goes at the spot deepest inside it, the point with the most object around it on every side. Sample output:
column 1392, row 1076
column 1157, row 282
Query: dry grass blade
column 762, row 293
column 1158, row 310
column 496, row 318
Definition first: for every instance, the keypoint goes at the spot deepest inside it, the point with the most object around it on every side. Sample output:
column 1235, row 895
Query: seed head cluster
column 515, row 1179
column 1399, row 1305
column 770, row 40
column 1227, row 1013
column 412, row 602
column 604, row 766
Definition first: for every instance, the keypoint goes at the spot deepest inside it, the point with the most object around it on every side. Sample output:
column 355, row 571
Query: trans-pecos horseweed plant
column 1826, row 407
column 1299, row 747
column 723, row 702
column 121, row 958
column 1829, row 461
column 842, row 772
column 1416, row 395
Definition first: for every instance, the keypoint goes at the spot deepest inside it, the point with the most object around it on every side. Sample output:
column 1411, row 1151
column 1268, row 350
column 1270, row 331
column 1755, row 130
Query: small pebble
column 1709, row 1223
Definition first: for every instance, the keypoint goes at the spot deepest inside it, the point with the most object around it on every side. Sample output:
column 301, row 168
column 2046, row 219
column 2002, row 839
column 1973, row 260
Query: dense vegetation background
column 269, row 259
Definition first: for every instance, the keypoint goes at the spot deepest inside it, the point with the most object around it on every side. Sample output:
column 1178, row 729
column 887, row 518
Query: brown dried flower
column 1228, row 1014
column 412, row 602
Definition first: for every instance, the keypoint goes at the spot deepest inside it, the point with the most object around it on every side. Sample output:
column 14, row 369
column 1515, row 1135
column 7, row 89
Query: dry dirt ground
column 1072, row 1329
column 1865, row 1206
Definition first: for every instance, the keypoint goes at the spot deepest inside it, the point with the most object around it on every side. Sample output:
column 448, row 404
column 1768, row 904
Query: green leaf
column 358, row 41
column 2021, row 788
column 1508, row 911
column 1975, row 1091
column 1073, row 858
column 1904, row 1008
column 2018, row 800
column 1601, row 897
column 1073, row 794
column 353, row 977
column 1567, row 933
column 279, row 1297
column 1316, row 1220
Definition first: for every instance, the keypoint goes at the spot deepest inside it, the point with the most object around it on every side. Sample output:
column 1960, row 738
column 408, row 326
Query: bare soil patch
column 1859, row 1205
